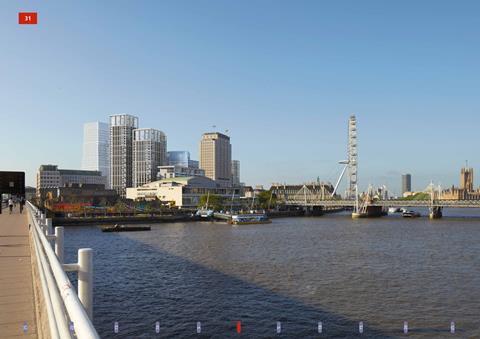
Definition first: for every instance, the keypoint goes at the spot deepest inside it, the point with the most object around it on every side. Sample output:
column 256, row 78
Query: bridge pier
column 312, row 211
column 436, row 212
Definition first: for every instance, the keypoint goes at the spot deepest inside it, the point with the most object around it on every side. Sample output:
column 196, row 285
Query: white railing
column 69, row 315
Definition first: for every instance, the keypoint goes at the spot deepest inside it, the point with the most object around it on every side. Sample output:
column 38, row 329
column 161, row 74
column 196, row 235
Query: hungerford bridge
column 312, row 202
column 320, row 195
column 324, row 196
column 311, row 199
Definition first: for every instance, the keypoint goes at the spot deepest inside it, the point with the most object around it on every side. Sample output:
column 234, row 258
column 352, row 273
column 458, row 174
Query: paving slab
column 16, row 285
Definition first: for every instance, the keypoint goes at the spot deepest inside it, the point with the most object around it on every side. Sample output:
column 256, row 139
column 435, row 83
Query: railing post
column 85, row 279
column 59, row 243
column 48, row 226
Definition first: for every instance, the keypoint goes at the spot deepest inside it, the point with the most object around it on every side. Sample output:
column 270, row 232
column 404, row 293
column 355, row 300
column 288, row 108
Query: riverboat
column 123, row 228
column 393, row 210
column 246, row 219
column 410, row 214
column 205, row 213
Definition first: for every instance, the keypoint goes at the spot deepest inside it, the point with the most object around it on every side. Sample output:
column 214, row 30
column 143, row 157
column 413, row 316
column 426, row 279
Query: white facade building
column 96, row 149
column 183, row 192
column 149, row 152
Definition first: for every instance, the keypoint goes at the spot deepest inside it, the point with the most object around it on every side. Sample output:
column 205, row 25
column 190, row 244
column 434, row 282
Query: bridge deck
column 388, row 203
column 16, row 284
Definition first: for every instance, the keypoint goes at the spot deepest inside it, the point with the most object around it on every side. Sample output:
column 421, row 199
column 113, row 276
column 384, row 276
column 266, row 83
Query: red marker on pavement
column 239, row 327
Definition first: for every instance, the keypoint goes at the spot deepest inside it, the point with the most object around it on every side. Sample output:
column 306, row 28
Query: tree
column 120, row 207
column 215, row 202
column 418, row 196
column 266, row 200
column 149, row 209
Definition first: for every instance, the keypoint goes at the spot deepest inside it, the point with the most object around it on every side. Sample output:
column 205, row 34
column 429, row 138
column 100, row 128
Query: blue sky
column 281, row 76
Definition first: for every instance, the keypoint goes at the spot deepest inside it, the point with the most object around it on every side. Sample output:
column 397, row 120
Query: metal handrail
column 63, row 304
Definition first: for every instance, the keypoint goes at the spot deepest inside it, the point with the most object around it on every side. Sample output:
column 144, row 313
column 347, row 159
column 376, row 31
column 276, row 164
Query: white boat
column 204, row 213
column 393, row 210
column 410, row 214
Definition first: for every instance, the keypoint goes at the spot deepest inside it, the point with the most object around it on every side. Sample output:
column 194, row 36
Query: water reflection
column 298, row 271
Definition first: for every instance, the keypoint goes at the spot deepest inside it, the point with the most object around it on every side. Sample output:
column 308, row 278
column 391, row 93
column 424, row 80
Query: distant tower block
column 352, row 157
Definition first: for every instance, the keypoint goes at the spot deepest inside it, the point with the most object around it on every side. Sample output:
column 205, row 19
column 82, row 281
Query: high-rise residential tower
column 235, row 172
column 121, row 151
column 96, row 149
column 406, row 183
column 216, row 157
column 149, row 152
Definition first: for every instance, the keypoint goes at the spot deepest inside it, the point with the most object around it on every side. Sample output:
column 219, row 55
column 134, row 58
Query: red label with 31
column 27, row 18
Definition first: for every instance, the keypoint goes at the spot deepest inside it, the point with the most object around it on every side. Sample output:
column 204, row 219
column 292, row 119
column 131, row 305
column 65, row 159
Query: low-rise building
column 94, row 194
column 183, row 192
column 51, row 177
column 250, row 192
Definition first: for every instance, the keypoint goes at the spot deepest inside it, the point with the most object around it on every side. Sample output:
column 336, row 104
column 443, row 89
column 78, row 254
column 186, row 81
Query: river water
column 296, row 271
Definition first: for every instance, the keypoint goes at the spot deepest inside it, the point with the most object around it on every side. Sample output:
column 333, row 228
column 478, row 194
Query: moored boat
column 410, row 214
column 246, row 219
column 205, row 213
column 393, row 210
column 123, row 228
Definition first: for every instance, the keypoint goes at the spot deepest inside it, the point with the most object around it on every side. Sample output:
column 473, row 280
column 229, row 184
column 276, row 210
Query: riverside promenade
column 17, row 310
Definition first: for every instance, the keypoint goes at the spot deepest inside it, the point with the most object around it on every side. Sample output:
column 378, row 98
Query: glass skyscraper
column 235, row 172
column 96, row 148
column 182, row 159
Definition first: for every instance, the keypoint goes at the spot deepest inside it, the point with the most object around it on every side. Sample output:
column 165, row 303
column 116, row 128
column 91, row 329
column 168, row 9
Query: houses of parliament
column 466, row 190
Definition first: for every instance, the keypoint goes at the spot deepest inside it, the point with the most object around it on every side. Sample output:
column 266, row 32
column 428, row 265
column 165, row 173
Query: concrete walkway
column 16, row 288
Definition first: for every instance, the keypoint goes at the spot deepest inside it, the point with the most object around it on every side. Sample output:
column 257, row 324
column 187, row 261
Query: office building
column 235, row 172
column 181, row 158
column 193, row 164
column 50, row 178
column 121, row 151
column 149, row 152
column 216, row 157
column 406, row 183
column 96, row 150
column 166, row 172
